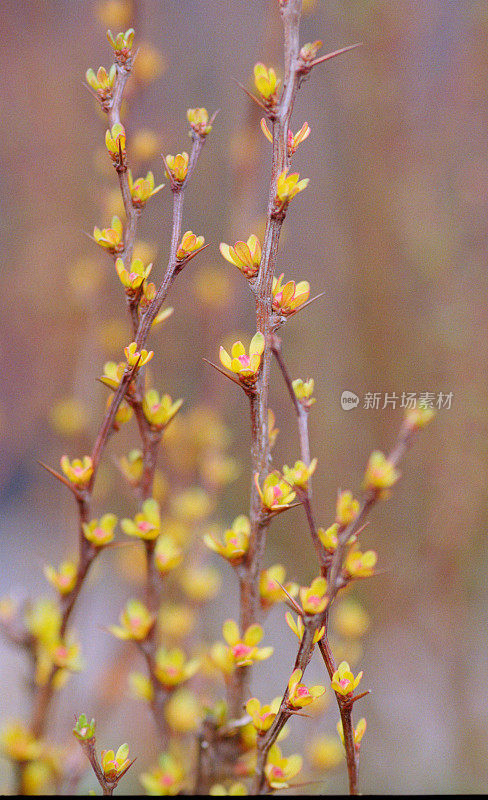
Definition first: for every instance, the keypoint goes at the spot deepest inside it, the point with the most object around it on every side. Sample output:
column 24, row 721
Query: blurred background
column 392, row 228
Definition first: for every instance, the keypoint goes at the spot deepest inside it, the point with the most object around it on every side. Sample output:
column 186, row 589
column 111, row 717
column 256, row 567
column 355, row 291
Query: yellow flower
column 131, row 466
column 132, row 279
column 63, row 579
column 165, row 779
column 200, row 583
column 141, row 687
column 146, row 524
column 167, row 554
column 114, row 765
column 269, row 586
column 134, row 357
column 241, row 651
column 343, row 681
column 198, row 119
column 183, row 711
column 142, row 189
column 149, row 64
column 115, row 144
column 113, row 373
column 288, row 186
column 18, row 743
column 236, row 540
column 123, row 414
column 236, row 789
column 266, row 82
column 280, row 770
column 293, row 140
column 360, row 565
column 347, row 509
column 136, row 622
column 246, row 367
column 145, row 145
column 324, row 752
column 262, row 716
column 418, row 418
column 176, row 621
column 78, row 471
column 66, row 656
column 122, row 43
column 359, row 731
column 111, row 239
column 171, row 667
column 159, row 411
column 351, row 619
column 190, row 243
column 299, row 474
column 178, row 166
column 43, row 621
column 276, row 493
column 299, row 695
column 380, row 474
column 303, row 391
column 298, row 628
column 329, row 537
column 114, row 12
column 289, row 297
column 246, row 256
column 102, row 82
column 314, row 597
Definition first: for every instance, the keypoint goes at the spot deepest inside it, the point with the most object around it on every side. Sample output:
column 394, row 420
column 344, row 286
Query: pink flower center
column 244, row 361
column 241, row 650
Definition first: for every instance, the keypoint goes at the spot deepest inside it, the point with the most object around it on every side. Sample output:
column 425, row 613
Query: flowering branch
column 112, row 767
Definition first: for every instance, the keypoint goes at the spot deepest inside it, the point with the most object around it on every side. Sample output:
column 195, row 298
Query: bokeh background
column 392, row 228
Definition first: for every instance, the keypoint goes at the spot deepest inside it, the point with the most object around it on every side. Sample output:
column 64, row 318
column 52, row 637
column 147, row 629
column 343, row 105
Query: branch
column 260, row 450
column 304, row 493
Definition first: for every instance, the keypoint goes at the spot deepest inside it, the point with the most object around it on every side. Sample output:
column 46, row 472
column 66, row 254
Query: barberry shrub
column 212, row 735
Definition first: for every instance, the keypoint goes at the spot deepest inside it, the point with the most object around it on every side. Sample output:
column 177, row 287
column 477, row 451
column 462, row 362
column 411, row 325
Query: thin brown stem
column 345, row 710
column 260, row 449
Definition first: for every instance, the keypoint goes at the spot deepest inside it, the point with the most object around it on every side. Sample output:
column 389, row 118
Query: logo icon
column 349, row 400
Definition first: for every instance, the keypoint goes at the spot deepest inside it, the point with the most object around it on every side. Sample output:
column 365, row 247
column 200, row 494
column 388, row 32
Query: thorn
column 359, row 696
column 222, row 372
column 213, row 117
column 253, row 97
column 59, row 477
column 317, row 297
column 335, row 53
column 361, row 529
column 188, row 258
column 293, row 602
